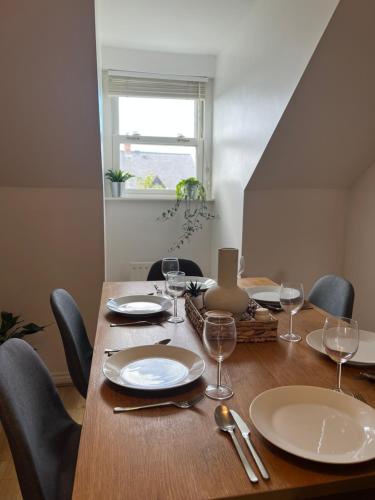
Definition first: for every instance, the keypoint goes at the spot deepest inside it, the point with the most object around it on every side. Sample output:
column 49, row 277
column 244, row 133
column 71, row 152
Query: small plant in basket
column 194, row 289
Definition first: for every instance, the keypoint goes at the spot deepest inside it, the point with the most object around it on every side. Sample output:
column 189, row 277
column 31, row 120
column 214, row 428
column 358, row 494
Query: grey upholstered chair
column 78, row 350
column 189, row 267
column 42, row 436
column 333, row 294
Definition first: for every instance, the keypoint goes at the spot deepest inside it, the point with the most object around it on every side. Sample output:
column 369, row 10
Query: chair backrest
column 78, row 350
column 333, row 294
column 189, row 267
column 42, row 436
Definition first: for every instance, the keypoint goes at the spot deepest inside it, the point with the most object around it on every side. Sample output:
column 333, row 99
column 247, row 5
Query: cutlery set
column 226, row 420
column 133, row 323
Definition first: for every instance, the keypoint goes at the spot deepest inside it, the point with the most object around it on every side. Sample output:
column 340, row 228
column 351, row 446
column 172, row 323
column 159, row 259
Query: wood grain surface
column 168, row 453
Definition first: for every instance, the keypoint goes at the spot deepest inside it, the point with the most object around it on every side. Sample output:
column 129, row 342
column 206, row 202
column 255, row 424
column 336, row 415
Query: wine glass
column 169, row 264
column 219, row 337
column 340, row 341
column 176, row 285
column 291, row 300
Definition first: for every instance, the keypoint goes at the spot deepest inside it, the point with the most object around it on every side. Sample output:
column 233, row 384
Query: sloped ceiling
column 325, row 138
column 49, row 132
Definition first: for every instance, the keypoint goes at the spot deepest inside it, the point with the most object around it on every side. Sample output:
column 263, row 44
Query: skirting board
column 61, row 378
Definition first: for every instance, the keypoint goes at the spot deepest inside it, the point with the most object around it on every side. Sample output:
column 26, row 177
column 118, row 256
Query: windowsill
column 148, row 197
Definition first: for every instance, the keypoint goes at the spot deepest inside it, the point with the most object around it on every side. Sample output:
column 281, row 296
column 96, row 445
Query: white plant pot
column 117, row 189
column 198, row 301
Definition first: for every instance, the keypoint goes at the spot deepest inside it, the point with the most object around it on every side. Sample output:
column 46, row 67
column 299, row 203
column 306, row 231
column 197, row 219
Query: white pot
column 197, row 301
column 117, row 189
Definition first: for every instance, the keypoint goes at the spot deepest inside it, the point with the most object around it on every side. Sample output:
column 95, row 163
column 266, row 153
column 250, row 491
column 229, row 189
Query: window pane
column 157, row 167
column 156, row 117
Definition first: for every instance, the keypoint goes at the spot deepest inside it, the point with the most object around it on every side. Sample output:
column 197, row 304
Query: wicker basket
column 248, row 330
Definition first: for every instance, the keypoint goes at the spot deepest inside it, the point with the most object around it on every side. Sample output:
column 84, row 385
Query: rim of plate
column 263, row 288
column 348, row 403
column 197, row 367
column 164, row 302
column 321, row 350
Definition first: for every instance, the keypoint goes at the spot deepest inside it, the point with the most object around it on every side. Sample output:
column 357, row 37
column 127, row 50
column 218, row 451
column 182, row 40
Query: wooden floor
column 9, row 488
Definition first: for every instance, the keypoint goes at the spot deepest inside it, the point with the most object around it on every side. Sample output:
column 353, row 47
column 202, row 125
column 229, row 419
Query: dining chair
column 189, row 267
column 42, row 436
column 333, row 294
column 77, row 347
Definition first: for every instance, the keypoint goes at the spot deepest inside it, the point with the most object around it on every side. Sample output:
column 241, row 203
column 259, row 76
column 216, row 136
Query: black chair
column 189, row 267
column 78, row 350
column 42, row 436
column 333, row 294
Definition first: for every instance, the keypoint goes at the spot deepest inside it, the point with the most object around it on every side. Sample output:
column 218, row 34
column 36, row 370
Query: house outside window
column 160, row 130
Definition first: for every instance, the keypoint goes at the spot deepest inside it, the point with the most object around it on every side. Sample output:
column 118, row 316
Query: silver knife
column 245, row 431
column 368, row 375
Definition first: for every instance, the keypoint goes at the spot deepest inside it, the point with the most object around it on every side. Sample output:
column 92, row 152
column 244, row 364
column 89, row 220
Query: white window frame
column 202, row 141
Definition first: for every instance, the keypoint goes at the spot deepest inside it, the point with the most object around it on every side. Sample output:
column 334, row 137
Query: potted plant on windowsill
column 118, row 179
column 191, row 198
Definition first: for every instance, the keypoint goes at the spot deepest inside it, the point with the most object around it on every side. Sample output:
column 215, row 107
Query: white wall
column 255, row 79
column 166, row 63
column 134, row 234
column 360, row 247
column 295, row 234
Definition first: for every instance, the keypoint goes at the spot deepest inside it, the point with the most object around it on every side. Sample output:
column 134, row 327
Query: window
column 159, row 130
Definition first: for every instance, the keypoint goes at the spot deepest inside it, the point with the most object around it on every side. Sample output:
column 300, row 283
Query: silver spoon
column 111, row 351
column 225, row 421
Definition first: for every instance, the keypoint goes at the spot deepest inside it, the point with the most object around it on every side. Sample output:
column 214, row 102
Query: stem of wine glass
column 338, row 376
column 219, row 374
column 174, row 306
column 290, row 323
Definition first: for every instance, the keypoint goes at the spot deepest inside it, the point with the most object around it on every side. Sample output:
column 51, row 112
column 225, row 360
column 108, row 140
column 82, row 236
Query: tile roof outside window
column 165, row 168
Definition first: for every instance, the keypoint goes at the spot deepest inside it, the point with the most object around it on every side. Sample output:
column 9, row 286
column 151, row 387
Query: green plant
column 194, row 288
column 118, row 175
column 191, row 189
column 150, row 181
column 191, row 198
column 11, row 327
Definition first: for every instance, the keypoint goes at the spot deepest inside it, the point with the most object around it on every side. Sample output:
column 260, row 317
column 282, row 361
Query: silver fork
column 179, row 404
column 359, row 396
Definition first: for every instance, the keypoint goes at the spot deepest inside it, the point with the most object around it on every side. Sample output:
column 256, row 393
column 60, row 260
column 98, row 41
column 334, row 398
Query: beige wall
column 301, row 216
column 255, row 79
column 360, row 247
column 51, row 211
column 295, row 234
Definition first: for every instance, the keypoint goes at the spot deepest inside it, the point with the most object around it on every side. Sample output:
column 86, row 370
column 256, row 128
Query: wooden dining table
column 174, row 454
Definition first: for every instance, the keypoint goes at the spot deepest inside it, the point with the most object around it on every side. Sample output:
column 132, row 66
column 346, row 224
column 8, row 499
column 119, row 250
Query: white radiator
column 139, row 270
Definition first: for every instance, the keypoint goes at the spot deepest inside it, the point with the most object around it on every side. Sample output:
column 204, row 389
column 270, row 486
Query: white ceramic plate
column 315, row 423
column 366, row 350
column 153, row 367
column 264, row 293
column 205, row 282
column 139, row 305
